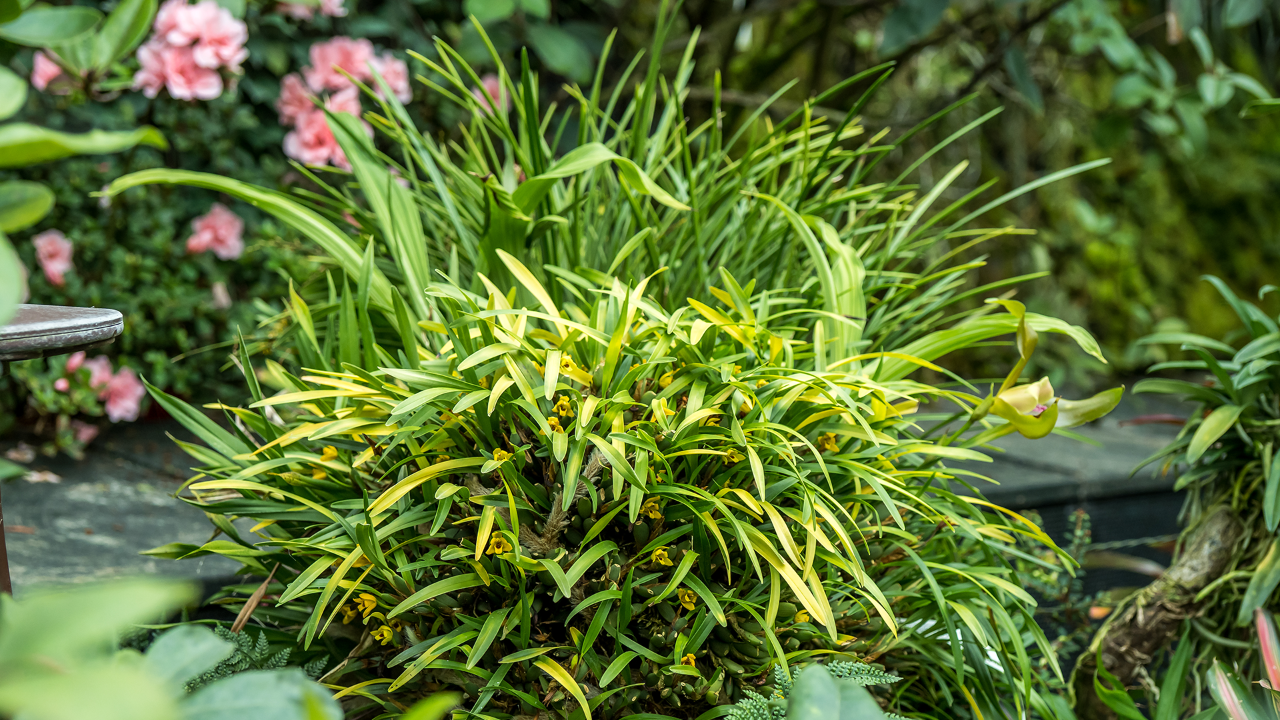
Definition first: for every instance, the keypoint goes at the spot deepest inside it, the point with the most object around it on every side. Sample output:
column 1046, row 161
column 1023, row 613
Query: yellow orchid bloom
column 367, row 603
column 827, row 442
column 659, row 556
column 319, row 474
column 802, row 616
column 382, row 634
column 689, row 660
column 501, row 455
column 329, row 454
column 498, row 545
column 665, row 380
column 733, row 457
column 688, row 598
column 564, row 406
column 554, row 423
column 348, row 614
column 650, row 509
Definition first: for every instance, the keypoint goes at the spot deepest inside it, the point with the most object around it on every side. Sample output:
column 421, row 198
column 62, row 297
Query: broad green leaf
column 23, row 144
column 185, row 652
column 13, row 94
column 124, row 29
column 1212, row 428
column 42, row 26
column 277, row 694
column 23, row 203
column 436, row 589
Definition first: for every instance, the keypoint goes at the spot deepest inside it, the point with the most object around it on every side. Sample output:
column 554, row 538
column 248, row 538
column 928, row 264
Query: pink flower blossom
column 84, row 432
column 295, row 99
column 74, row 361
column 123, row 394
column 396, row 74
column 340, row 53
column 53, row 250
column 186, row 79
column 150, row 76
column 219, row 230
column 311, row 142
column 221, row 298
column 174, row 68
column 345, row 101
column 62, row 384
column 167, row 18
column 332, row 8
column 44, row 71
column 100, row 371
column 491, row 94
column 218, row 37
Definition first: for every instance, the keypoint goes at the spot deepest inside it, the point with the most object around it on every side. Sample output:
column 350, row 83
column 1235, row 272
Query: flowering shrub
column 250, row 83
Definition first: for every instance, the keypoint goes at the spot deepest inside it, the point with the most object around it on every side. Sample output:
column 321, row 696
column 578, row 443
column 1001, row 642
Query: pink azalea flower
column 74, row 361
column 185, row 79
column 84, row 432
column 123, row 395
column 44, row 71
column 62, row 384
column 340, row 53
column 219, row 230
column 174, row 68
column 221, row 298
column 332, row 8
column 396, row 74
column 311, row 142
column 491, row 94
column 219, row 36
column 53, row 250
column 167, row 17
column 345, row 101
column 295, row 99
column 100, row 371
column 150, row 76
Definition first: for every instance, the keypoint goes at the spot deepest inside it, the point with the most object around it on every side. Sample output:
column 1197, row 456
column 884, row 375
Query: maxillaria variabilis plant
column 609, row 507
column 779, row 501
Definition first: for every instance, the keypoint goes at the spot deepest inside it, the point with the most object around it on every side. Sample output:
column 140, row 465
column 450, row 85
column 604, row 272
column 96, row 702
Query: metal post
column 6, row 586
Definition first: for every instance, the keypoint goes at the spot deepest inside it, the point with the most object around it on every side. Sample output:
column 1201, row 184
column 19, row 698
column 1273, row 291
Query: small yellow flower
column 382, row 634
column 827, row 442
column 802, row 616
column 688, row 598
column 567, row 365
column 484, row 383
column 501, row 455
column 367, row 603
column 665, row 409
column 396, row 625
column 661, row 478
column 659, row 556
column 348, row 614
column 361, row 561
column 733, row 456
column 666, row 379
column 737, row 369
column 564, row 406
column 329, row 454
column 711, row 421
column 650, row 509
column 761, row 383
column 745, row 407
column 319, row 474
column 498, row 545
column 554, row 423
column 439, row 459
column 689, row 660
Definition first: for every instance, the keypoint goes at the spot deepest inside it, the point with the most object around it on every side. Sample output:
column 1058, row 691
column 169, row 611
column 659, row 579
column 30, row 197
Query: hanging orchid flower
column 1033, row 410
